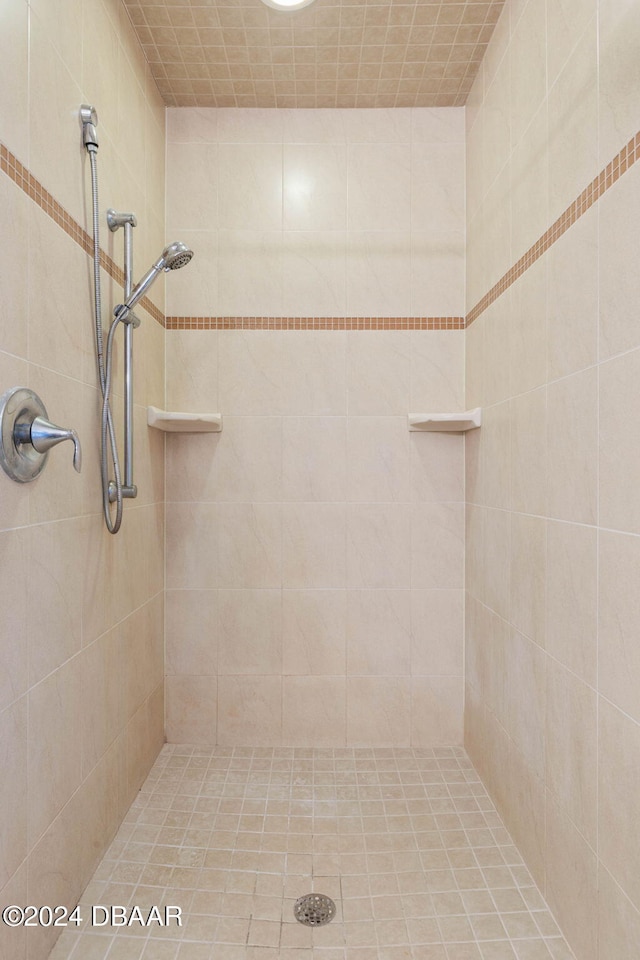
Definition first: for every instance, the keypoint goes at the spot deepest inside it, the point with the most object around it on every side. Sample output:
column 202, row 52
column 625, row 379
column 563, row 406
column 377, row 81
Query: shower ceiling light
column 287, row 4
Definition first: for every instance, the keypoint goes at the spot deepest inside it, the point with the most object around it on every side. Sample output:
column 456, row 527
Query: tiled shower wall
column 81, row 680
column 553, row 552
column 315, row 546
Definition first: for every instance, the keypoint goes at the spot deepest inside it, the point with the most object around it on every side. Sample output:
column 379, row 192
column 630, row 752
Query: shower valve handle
column 43, row 435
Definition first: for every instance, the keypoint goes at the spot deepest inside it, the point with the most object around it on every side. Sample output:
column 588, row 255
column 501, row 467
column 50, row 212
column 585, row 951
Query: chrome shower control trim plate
column 20, row 461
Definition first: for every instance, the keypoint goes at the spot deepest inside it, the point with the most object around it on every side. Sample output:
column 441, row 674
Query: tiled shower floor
column 406, row 842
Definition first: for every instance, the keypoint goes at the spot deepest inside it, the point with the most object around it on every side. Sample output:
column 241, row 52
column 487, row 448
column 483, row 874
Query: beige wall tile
column 378, row 632
column 14, row 288
column 54, row 706
column 437, row 186
column 250, row 370
column 494, row 558
column 250, row 711
column 314, row 186
column 314, row 711
column 529, row 452
column 55, row 160
column 313, row 372
column 572, row 882
column 378, row 373
column 379, row 274
column 528, row 65
column 618, row 920
column 529, row 188
column 15, row 124
column 572, row 447
column 437, row 546
column 54, row 613
column 378, row 711
column 571, row 748
column 250, row 186
column 314, row 281
column 378, row 545
column 313, row 545
column 617, row 280
column 314, row 632
column 526, row 700
column 13, row 753
column 619, row 789
column 437, row 461
column 531, row 715
column 618, row 106
column 246, row 461
column 528, row 575
column 527, row 330
column 314, row 455
column 191, row 632
column 192, row 545
column 191, row 711
column 436, row 711
column 13, row 940
column 437, row 370
column 436, row 632
column 249, row 274
column 571, row 590
column 249, row 545
column 14, row 676
column 368, row 167
column 250, row 632
column 572, row 279
column 618, row 657
column 573, row 123
column 495, row 455
column 378, row 461
column 192, row 370
column 619, row 502
column 195, row 166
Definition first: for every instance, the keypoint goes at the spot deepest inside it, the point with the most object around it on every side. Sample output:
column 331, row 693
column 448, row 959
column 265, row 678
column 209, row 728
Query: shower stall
column 340, row 688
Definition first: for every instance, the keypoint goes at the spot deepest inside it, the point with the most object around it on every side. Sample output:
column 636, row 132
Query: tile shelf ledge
column 446, row 422
column 171, row 421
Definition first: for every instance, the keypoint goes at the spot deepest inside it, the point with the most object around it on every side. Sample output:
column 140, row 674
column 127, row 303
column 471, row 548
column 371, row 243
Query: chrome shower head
column 176, row 255
column 173, row 257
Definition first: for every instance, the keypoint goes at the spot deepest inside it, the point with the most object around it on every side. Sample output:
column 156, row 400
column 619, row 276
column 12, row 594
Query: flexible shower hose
column 107, row 433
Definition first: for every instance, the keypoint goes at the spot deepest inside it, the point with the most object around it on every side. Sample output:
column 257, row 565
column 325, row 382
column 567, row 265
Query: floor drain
column 314, row 909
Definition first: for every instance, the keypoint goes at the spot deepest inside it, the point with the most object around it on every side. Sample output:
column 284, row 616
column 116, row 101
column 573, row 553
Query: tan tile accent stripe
column 17, row 172
column 315, row 323
column 605, row 179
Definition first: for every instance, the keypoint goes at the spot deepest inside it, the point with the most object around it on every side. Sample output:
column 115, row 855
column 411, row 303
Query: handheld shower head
column 173, row 257
column 176, row 255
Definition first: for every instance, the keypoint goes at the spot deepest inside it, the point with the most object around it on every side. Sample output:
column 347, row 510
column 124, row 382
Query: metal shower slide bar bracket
column 127, row 221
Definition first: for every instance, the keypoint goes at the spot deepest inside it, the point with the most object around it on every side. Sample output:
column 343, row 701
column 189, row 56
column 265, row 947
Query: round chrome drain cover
column 314, row 909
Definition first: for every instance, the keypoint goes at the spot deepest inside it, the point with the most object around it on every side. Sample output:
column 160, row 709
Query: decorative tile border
column 315, row 323
column 599, row 185
column 17, row 172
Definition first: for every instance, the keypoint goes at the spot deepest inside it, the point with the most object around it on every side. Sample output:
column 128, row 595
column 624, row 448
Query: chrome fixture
column 314, row 909
column 27, row 435
column 174, row 256
column 89, row 121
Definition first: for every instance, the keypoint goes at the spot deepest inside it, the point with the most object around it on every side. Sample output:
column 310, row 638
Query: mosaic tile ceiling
column 334, row 53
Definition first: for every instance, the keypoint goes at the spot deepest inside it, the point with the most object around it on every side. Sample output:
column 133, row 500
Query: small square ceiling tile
column 421, row 53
